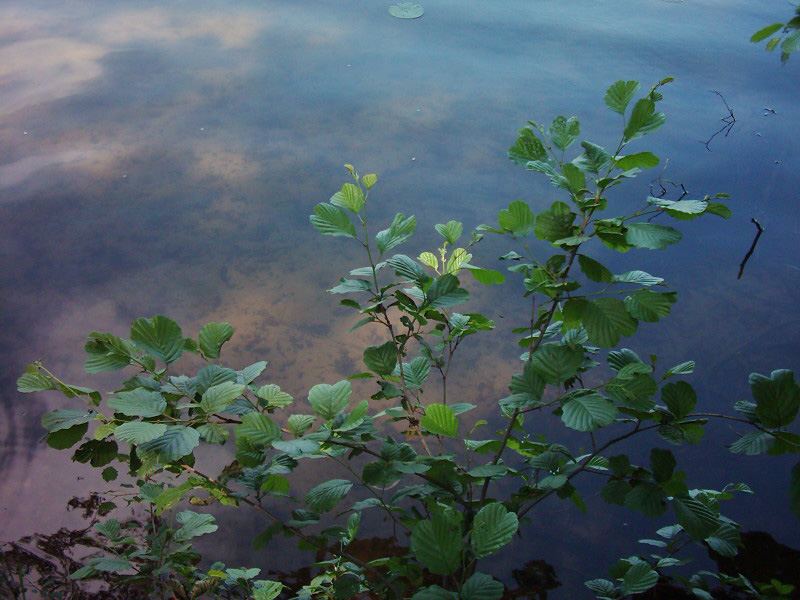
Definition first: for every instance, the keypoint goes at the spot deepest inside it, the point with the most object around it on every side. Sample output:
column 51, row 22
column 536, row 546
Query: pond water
column 163, row 157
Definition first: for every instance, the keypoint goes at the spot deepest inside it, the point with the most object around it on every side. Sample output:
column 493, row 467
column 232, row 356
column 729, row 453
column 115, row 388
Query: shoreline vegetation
column 453, row 489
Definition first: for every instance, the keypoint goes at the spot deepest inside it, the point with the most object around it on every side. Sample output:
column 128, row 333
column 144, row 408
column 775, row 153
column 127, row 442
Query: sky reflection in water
column 163, row 158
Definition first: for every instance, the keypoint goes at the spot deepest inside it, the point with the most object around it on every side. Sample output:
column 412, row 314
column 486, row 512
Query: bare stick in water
column 728, row 122
column 759, row 231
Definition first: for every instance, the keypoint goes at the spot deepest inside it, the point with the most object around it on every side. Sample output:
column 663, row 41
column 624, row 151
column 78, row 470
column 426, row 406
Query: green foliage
column 449, row 505
column 785, row 36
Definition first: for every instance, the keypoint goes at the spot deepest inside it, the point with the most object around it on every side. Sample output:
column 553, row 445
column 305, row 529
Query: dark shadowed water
column 162, row 157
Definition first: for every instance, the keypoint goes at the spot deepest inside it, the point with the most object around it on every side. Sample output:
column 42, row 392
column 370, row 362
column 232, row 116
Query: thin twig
column 728, row 122
column 759, row 231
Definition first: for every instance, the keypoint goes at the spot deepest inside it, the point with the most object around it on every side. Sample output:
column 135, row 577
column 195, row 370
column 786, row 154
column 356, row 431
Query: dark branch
column 759, row 231
column 728, row 122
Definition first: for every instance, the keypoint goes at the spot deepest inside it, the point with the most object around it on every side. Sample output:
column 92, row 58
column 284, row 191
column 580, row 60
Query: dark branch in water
column 728, row 122
column 663, row 190
column 759, row 231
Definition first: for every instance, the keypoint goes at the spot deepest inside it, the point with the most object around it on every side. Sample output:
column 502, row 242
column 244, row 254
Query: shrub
column 447, row 504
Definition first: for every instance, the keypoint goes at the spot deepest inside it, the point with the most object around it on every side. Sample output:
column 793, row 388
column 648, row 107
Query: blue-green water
column 162, row 157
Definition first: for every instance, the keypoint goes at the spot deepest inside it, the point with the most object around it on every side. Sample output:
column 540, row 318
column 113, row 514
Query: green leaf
column 634, row 391
column 601, row 587
column 643, row 119
column 103, row 564
column 381, row 359
column 587, row 412
column 650, row 306
column 594, row 158
column 194, row 525
column 680, row 208
column 639, row 578
column 481, row 587
column 765, row 32
column 107, row 352
column 97, row 452
column 138, row 402
column 619, row 95
column 594, row 270
column 66, row 418
column 138, row 432
column 369, row 180
column 725, row 540
column 679, row 397
column 556, row 363
column 398, row 232
column 67, row 438
column 297, row 448
column 212, row 375
column 752, row 443
column 326, row 496
column 606, row 320
column 259, row 430
column 563, row 131
column 436, row 542
column 350, row 197
column 34, row 381
column 274, row 484
column 528, row 147
column 271, row 396
column 647, row 498
column 177, row 442
column 696, row 518
column 554, row 223
column 777, row 397
column 638, row 277
column 166, row 497
column 458, row 258
column 662, row 464
column 348, row 286
column 488, row 471
column 445, row 292
column 485, row 276
column 450, row 231
column 212, row 337
column 719, row 209
column 640, row 160
column 406, row 267
column 332, row 220
column 493, row 527
column 213, row 433
column 684, row 368
column 266, row 589
column 434, row 592
column 329, row 400
column 574, row 178
column 160, row 336
column 217, row 398
column 416, row 372
column 516, row 219
column 298, row 424
column 651, row 236
column 440, row 419
column 791, row 43
column 429, row 260
column 529, row 382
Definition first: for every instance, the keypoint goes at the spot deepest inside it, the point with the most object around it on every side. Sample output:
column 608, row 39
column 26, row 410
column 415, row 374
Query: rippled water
column 163, row 158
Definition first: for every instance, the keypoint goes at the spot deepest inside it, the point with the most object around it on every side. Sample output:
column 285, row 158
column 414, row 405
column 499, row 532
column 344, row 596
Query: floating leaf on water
column 406, row 10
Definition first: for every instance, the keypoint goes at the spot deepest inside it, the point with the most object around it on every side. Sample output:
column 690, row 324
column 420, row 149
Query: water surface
column 163, row 157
